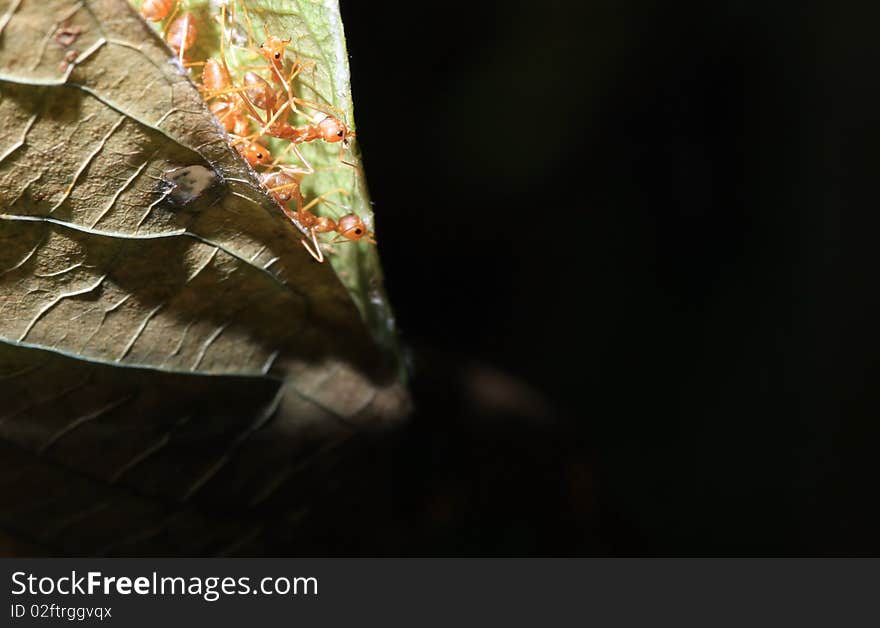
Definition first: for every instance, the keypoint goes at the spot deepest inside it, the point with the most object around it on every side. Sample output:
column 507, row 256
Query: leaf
column 167, row 346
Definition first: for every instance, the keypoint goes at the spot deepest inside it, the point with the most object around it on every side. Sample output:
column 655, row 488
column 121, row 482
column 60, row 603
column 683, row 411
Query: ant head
column 351, row 227
column 333, row 130
column 255, row 154
column 273, row 48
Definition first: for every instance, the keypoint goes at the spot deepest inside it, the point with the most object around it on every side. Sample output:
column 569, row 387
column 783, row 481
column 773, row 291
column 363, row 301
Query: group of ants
column 268, row 105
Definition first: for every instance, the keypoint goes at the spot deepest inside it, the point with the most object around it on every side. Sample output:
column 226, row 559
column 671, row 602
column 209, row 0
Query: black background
column 631, row 247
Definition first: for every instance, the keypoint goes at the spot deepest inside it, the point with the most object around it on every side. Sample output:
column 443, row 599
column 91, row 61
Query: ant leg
column 299, row 65
column 170, row 19
column 247, row 21
column 226, row 66
column 321, row 198
column 317, row 253
column 345, row 208
column 286, row 83
column 326, row 109
column 250, row 107
column 357, row 168
column 303, row 159
column 295, row 69
column 223, row 35
column 245, row 99
column 339, row 239
column 228, row 90
column 237, row 139
column 291, row 100
column 296, row 64
column 225, row 115
column 231, row 12
column 271, row 121
column 220, row 92
column 285, row 167
column 280, row 156
column 286, row 186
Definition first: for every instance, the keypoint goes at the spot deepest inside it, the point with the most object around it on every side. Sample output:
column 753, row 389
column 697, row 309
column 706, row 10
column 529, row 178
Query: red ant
column 285, row 186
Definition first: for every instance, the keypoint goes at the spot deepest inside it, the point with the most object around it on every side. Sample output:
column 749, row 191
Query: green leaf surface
column 167, row 346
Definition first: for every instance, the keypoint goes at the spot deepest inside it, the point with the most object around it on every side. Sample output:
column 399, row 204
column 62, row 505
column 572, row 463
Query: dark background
column 631, row 247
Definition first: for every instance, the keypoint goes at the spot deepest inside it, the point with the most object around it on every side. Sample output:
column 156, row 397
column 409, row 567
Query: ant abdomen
column 181, row 34
column 156, row 10
column 259, row 91
column 215, row 78
column 282, row 186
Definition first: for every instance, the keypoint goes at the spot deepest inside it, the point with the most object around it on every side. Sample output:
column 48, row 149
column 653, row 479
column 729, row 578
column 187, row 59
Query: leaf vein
column 139, row 331
column 82, row 420
column 87, row 161
column 48, row 307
